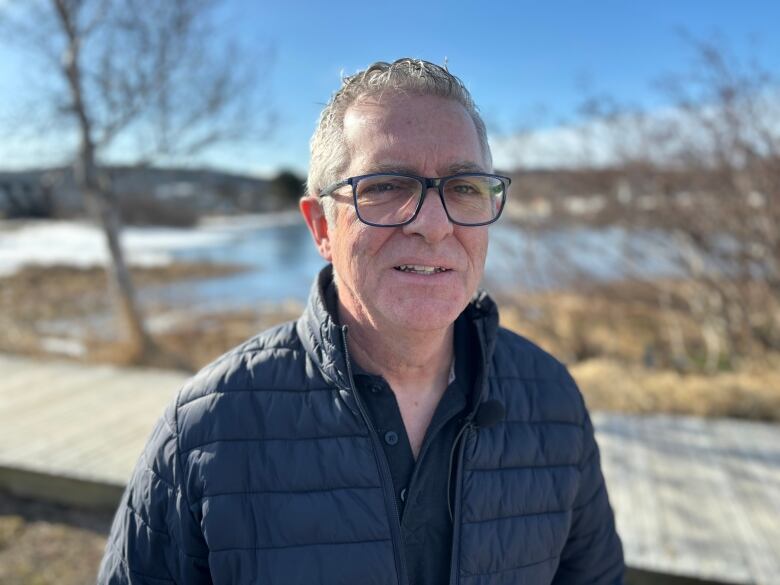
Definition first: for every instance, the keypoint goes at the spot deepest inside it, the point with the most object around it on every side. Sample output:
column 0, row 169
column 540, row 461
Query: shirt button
column 376, row 389
column 404, row 492
column 391, row 437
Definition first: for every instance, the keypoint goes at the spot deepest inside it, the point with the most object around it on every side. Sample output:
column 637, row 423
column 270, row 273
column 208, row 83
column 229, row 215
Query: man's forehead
column 372, row 109
column 379, row 132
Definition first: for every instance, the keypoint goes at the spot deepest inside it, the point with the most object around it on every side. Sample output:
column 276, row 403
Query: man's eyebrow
column 392, row 168
column 453, row 169
column 464, row 167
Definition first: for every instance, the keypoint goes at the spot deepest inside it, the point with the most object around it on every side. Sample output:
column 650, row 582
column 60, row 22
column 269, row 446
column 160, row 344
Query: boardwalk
column 693, row 497
column 85, row 423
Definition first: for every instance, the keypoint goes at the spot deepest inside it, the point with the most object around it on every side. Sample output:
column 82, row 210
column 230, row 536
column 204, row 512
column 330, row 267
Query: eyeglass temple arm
column 331, row 188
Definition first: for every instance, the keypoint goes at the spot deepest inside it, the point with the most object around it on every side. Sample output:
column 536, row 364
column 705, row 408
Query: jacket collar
column 325, row 340
column 321, row 335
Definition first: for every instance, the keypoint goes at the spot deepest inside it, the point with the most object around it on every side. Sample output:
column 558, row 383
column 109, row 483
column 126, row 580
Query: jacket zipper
column 455, row 556
column 384, row 468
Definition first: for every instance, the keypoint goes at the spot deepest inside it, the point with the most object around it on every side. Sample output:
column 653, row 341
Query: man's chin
column 425, row 314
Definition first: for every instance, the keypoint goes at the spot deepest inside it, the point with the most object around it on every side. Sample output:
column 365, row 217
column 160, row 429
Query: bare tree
column 696, row 186
column 158, row 78
column 704, row 178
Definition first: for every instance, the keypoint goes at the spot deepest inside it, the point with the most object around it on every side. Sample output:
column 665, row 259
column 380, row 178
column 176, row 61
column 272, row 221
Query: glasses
column 395, row 199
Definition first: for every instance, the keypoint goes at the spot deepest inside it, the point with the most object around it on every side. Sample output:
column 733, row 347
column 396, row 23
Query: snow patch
column 63, row 346
column 82, row 244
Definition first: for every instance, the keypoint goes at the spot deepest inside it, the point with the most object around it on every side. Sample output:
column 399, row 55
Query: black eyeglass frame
column 427, row 183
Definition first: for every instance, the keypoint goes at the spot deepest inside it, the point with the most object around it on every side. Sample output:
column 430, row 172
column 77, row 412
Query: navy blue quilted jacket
column 266, row 470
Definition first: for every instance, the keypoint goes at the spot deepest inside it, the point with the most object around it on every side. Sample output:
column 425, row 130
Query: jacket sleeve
column 593, row 552
column 155, row 538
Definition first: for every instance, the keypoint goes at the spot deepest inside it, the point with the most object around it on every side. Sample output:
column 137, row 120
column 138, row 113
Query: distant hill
column 604, row 196
column 52, row 192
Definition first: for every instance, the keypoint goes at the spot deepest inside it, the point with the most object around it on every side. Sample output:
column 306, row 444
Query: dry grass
column 34, row 298
column 620, row 320
column 191, row 344
column 37, row 293
column 615, row 343
column 44, row 544
column 751, row 392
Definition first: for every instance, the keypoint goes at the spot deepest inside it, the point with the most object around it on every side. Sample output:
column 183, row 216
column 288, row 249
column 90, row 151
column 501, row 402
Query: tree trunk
column 103, row 209
column 97, row 194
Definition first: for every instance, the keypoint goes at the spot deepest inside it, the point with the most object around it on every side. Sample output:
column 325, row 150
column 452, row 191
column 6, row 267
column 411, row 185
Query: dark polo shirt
column 421, row 486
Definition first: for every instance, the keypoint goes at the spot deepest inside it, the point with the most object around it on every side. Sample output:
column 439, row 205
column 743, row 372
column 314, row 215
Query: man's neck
column 415, row 362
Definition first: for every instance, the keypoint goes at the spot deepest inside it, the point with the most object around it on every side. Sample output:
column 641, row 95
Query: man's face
column 426, row 136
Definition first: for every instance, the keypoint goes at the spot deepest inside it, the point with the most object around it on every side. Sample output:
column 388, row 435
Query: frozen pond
column 282, row 260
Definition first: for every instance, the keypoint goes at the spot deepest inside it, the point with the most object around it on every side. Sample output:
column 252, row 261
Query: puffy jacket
column 266, row 470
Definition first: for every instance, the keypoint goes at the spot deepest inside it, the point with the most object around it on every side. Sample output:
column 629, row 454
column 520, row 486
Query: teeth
column 418, row 269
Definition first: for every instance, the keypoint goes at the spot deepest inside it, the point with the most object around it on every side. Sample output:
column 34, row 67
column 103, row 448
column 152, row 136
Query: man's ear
column 314, row 215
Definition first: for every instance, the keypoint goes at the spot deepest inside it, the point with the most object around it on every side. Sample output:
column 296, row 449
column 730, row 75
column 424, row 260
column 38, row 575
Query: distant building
column 39, row 193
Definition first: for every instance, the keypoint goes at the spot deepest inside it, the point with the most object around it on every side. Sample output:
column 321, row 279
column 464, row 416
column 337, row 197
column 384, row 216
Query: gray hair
column 329, row 153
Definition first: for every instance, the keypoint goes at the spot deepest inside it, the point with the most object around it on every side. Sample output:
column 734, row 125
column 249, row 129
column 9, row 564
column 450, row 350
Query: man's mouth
column 420, row 269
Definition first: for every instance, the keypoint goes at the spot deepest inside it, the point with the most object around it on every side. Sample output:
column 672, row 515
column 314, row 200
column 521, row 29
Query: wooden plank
column 97, row 421
column 82, row 415
column 64, row 397
column 27, row 386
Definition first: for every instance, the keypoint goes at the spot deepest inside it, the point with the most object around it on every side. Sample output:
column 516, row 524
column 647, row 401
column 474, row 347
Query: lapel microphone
column 489, row 413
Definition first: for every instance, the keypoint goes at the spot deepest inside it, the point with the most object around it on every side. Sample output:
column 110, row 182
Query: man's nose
column 431, row 222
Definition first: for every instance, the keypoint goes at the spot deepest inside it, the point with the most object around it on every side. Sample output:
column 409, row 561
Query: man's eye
column 379, row 187
column 465, row 189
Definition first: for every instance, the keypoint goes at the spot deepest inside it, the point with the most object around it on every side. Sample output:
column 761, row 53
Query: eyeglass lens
column 390, row 199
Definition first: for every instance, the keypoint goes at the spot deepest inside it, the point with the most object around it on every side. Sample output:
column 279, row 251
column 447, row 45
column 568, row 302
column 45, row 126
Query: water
column 283, row 261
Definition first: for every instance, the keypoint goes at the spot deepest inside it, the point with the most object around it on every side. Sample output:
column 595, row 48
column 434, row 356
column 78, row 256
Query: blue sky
column 526, row 62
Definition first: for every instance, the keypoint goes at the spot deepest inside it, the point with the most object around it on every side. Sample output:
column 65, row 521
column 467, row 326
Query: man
column 394, row 433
